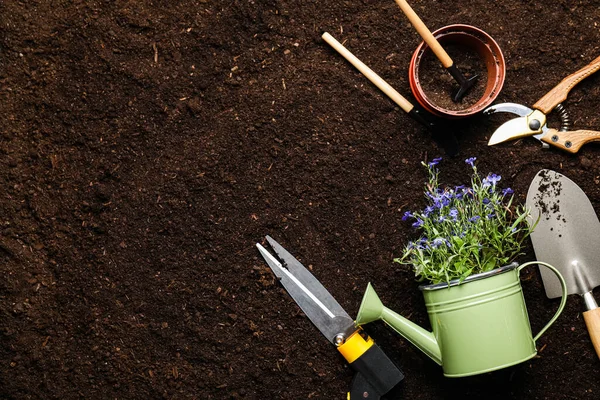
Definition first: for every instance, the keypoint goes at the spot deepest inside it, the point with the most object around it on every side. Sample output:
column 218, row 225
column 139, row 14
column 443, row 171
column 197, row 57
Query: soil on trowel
column 439, row 86
column 147, row 146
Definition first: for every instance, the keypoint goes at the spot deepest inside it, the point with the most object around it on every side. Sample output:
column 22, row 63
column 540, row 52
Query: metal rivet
column 339, row 339
column 568, row 144
column 534, row 124
column 555, row 138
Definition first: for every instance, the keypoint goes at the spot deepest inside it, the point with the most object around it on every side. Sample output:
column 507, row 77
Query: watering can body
column 480, row 325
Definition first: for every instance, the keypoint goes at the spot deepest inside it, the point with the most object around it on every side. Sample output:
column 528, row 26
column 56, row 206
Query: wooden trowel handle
column 425, row 33
column 560, row 91
column 592, row 321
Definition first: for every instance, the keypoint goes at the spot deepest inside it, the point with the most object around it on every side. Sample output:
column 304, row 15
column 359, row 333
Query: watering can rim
column 471, row 278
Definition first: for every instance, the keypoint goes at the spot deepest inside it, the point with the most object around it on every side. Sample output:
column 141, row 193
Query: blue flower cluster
column 463, row 226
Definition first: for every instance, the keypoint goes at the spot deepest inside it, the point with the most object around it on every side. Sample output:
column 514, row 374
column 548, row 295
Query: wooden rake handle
column 425, row 33
column 559, row 93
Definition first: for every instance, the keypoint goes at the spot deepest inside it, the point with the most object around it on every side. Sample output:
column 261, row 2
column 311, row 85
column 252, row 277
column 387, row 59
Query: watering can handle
column 564, row 294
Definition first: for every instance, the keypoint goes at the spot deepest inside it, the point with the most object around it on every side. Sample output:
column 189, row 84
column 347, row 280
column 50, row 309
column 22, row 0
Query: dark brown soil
column 439, row 86
column 147, row 146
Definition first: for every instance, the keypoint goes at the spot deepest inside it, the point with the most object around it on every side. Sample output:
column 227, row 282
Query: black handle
column 440, row 132
column 375, row 375
column 361, row 389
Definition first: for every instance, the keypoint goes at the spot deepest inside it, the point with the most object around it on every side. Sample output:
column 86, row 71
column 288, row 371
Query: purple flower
column 437, row 242
column 491, row 179
column 486, row 201
column 417, row 245
column 428, row 210
column 441, row 200
column 454, row 213
column 490, row 216
column 407, row 215
column 475, row 218
column 507, row 191
column 436, row 199
column 422, row 245
column 418, row 223
column 459, row 192
column 435, row 161
column 471, row 161
column 446, row 199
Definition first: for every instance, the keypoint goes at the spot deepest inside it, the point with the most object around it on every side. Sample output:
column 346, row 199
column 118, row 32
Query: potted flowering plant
column 474, row 297
column 465, row 229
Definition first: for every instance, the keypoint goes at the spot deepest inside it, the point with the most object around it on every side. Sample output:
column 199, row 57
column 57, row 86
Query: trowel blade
column 567, row 235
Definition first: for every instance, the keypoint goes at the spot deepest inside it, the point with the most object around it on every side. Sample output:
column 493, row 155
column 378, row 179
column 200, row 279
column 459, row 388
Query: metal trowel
column 567, row 235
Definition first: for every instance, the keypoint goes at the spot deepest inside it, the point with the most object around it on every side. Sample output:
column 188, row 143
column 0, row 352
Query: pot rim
column 496, row 71
column 470, row 278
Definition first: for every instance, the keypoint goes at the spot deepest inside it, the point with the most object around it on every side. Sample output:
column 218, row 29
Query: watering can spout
column 372, row 309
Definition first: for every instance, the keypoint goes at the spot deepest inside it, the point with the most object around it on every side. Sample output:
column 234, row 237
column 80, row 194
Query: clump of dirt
column 439, row 85
column 549, row 190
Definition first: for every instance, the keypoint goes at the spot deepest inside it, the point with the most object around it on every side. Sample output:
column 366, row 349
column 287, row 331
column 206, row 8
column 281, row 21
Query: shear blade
column 304, row 276
column 512, row 108
column 314, row 300
column 514, row 129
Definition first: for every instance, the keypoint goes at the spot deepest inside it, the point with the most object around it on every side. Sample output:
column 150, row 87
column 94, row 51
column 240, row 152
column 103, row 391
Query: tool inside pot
column 479, row 53
column 448, row 62
column 437, row 83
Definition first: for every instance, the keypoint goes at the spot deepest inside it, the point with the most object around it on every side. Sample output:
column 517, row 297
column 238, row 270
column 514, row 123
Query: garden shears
column 376, row 374
column 532, row 122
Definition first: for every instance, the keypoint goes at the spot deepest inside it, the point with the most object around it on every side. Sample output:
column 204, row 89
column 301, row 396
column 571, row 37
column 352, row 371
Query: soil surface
column 148, row 145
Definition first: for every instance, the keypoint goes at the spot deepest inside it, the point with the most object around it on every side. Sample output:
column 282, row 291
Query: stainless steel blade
column 300, row 272
column 503, row 133
column 514, row 129
column 567, row 234
column 310, row 295
column 513, row 108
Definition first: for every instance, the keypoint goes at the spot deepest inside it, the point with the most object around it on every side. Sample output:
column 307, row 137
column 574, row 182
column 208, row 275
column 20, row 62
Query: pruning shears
column 376, row 374
column 532, row 122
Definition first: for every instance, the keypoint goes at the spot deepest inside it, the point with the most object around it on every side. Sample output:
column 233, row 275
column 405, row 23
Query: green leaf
column 490, row 265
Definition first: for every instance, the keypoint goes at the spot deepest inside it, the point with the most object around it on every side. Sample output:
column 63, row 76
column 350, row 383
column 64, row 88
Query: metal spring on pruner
column 565, row 121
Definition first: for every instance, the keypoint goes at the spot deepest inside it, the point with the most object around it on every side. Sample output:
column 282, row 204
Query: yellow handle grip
column 355, row 346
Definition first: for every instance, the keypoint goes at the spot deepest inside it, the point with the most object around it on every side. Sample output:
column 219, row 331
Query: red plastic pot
column 488, row 50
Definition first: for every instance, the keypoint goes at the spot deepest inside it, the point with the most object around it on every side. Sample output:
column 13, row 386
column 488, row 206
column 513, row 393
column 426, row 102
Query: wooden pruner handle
column 559, row 93
column 570, row 141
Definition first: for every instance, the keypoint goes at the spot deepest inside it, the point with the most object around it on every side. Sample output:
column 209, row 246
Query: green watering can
column 479, row 324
